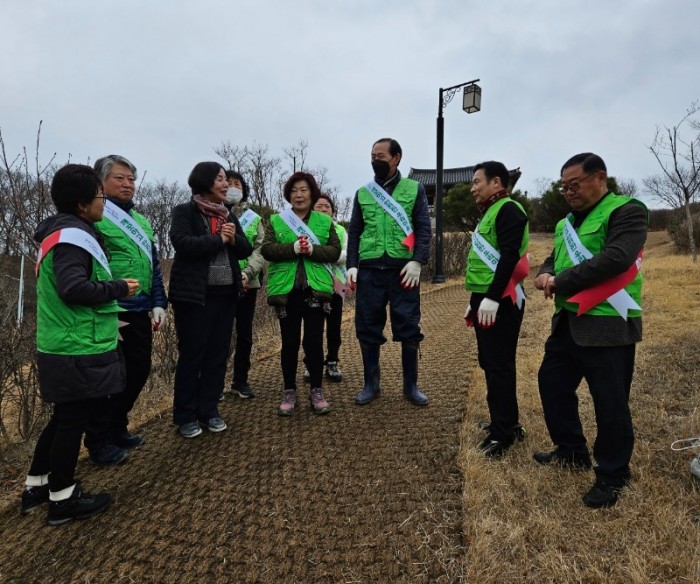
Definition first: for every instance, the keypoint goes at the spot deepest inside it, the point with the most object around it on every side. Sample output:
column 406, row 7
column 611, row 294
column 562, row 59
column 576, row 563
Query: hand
column 228, row 233
column 244, row 279
column 158, row 316
column 133, row 286
column 352, row 278
column 411, row 274
column 468, row 319
column 487, row 313
column 541, row 281
column 303, row 246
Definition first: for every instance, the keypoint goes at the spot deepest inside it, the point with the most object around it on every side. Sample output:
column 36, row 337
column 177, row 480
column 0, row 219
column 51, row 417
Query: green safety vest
column 73, row 329
column 478, row 275
column 381, row 233
column 281, row 275
column 128, row 260
column 593, row 235
column 342, row 234
column 250, row 232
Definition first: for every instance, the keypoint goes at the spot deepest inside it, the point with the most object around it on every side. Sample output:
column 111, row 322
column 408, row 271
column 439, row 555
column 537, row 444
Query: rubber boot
column 409, row 362
column 370, row 363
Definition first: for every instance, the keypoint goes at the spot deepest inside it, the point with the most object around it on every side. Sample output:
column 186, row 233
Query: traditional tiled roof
column 452, row 176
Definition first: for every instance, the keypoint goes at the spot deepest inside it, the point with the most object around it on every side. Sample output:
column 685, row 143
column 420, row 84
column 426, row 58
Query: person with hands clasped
column 388, row 243
column 496, row 265
column 594, row 275
column 205, row 284
column 301, row 245
column 129, row 238
column 76, row 339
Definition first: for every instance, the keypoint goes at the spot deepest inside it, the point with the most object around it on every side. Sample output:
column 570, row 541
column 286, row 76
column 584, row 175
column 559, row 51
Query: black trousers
column 300, row 308
column 203, row 340
column 334, row 321
column 375, row 289
column 245, row 313
column 58, row 446
column 497, row 347
column 608, row 371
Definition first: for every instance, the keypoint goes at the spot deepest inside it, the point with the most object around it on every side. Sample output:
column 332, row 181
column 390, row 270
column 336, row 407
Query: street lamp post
column 471, row 103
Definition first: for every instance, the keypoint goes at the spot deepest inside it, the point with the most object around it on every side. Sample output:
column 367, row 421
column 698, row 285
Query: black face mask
column 381, row 169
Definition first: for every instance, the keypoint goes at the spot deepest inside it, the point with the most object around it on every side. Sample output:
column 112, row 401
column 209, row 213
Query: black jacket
column 72, row 378
column 195, row 247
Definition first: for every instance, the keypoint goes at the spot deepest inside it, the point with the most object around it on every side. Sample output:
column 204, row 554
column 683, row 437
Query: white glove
column 158, row 316
column 487, row 312
column 244, row 279
column 352, row 277
column 411, row 274
column 303, row 246
column 467, row 311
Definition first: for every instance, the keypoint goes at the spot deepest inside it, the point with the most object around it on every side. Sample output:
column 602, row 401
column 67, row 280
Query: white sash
column 247, row 218
column 76, row 237
column 389, row 204
column 300, row 228
column 621, row 301
column 130, row 227
column 490, row 256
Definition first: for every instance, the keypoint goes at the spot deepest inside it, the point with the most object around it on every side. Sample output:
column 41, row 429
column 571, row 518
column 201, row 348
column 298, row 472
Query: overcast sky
column 165, row 81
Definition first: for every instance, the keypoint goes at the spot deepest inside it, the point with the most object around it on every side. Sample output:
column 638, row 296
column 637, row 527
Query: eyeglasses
column 574, row 186
column 101, row 196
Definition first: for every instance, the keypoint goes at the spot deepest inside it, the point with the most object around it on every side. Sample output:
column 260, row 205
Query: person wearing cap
column 301, row 245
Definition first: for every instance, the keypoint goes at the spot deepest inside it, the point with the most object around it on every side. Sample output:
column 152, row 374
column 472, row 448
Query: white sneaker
column 695, row 467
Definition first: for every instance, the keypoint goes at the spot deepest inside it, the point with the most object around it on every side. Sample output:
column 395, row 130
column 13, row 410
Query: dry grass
column 526, row 523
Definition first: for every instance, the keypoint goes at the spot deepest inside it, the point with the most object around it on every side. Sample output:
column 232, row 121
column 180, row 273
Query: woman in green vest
column 301, row 244
column 76, row 339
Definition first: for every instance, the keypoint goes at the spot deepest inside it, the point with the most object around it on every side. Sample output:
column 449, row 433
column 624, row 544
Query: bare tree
column 627, row 187
column 236, row 157
column 156, row 202
column 297, row 156
column 679, row 159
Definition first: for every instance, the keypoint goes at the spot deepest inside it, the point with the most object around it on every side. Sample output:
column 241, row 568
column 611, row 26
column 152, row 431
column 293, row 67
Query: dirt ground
column 364, row 494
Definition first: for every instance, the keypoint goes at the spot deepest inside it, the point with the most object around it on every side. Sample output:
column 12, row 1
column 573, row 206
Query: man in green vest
column 129, row 239
column 495, row 310
column 593, row 275
column 388, row 243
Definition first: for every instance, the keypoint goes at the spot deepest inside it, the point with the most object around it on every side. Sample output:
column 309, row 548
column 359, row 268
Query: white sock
column 37, row 480
column 61, row 495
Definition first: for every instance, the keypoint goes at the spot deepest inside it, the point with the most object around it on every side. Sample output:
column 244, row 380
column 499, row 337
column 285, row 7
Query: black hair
column 202, row 177
column 328, row 198
column 493, row 169
column 394, row 146
column 72, row 185
column 310, row 180
column 589, row 163
column 232, row 174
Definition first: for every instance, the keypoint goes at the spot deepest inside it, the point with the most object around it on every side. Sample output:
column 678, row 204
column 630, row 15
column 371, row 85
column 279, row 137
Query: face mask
column 381, row 169
column 233, row 196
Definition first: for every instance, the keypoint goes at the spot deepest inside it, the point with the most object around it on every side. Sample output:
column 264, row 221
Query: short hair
column 330, row 201
column 493, row 169
column 394, row 146
column 232, row 174
column 310, row 180
column 202, row 177
column 103, row 166
column 72, row 185
column 589, row 163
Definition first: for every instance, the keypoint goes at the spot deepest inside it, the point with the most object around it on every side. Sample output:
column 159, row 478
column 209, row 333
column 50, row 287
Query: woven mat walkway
column 364, row 494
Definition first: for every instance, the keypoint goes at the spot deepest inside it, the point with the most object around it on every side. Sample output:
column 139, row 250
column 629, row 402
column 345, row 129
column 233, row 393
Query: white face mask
column 233, row 196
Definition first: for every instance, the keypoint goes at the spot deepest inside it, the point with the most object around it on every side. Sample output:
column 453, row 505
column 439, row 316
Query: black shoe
column 109, row 455
column 602, row 495
column 79, row 505
column 568, row 460
column 127, row 440
column 243, row 391
column 372, row 375
column 333, row 372
column 409, row 363
column 493, row 448
column 518, row 431
column 34, row 497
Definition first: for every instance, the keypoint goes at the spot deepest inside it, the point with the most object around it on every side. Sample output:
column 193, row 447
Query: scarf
column 216, row 213
column 491, row 200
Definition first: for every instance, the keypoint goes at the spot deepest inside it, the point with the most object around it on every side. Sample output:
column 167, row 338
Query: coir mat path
column 363, row 494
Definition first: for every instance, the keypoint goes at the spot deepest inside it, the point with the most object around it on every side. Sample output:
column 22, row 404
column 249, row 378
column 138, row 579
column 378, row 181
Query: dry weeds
column 525, row 523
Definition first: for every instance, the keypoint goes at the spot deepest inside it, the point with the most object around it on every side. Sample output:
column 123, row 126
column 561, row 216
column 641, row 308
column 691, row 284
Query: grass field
column 526, row 523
